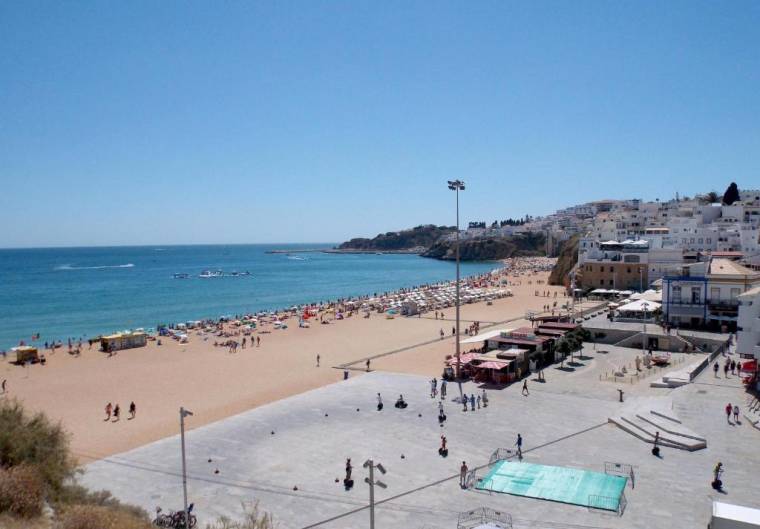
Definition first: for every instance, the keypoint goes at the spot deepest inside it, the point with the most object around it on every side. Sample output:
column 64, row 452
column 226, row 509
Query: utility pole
column 370, row 464
column 182, row 414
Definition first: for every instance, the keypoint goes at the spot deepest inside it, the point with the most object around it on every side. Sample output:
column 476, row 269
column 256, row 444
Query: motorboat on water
column 181, row 276
column 239, row 274
column 206, row 274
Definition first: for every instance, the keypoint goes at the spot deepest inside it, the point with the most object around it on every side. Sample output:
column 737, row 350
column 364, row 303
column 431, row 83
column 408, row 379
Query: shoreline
column 215, row 382
column 498, row 265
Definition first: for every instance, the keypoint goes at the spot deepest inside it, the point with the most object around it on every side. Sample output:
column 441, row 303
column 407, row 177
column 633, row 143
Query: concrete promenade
column 292, row 471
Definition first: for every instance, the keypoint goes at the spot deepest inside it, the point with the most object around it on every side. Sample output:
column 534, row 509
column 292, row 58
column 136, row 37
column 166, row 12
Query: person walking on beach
column 258, row 341
column 453, row 331
column 519, row 445
column 116, row 412
column 441, row 334
column 317, row 359
column 463, row 475
column 525, row 391
column 367, row 365
column 736, row 414
column 5, row 383
column 729, row 409
column 132, row 410
column 443, row 390
column 109, row 409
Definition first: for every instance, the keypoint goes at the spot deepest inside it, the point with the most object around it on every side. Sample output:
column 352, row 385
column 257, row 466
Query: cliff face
column 568, row 256
column 490, row 248
column 421, row 236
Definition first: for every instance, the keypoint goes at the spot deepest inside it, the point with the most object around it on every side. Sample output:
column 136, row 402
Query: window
column 715, row 295
column 735, row 293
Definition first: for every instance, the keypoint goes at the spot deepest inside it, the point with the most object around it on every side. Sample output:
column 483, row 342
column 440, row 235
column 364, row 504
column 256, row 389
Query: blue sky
column 199, row 122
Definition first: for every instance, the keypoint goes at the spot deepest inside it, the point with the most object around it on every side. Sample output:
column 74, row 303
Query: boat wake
column 70, row 267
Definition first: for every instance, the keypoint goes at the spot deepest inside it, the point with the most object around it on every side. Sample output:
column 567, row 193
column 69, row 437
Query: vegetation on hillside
column 37, row 471
column 420, row 236
column 490, row 248
column 568, row 256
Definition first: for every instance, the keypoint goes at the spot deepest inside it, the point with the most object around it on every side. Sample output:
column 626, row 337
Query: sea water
column 79, row 292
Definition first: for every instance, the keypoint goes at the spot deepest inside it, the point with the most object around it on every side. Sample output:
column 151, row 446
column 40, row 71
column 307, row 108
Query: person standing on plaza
column 525, row 391
column 463, row 475
column 736, row 413
column 729, row 410
column 443, row 390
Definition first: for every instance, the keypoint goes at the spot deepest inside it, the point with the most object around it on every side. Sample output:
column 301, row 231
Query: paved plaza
column 287, row 455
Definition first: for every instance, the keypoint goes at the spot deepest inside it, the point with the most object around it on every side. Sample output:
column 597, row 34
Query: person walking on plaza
column 518, row 443
column 485, row 399
column 433, row 388
column 379, row 402
column 729, row 410
column 726, row 367
column 733, row 367
column 715, row 369
column 441, row 333
column 736, row 414
column 443, row 390
column 472, row 402
column 525, row 391
column 463, row 475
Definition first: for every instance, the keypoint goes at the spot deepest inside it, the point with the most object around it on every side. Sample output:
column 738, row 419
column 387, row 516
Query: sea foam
column 71, row 267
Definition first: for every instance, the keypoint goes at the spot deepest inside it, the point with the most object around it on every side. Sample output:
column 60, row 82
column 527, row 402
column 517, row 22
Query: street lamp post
column 645, row 306
column 371, row 465
column 182, row 414
column 457, row 186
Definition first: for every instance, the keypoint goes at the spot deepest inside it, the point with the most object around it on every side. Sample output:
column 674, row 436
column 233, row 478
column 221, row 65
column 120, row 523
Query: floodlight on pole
column 457, row 186
column 370, row 464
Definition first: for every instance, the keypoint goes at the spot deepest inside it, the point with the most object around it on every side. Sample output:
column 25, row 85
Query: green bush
column 73, row 494
column 22, row 491
column 34, row 440
column 253, row 518
column 97, row 517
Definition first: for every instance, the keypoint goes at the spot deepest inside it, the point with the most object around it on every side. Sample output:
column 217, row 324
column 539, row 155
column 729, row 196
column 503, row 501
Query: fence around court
column 607, row 503
column 621, row 469
column 484, row 517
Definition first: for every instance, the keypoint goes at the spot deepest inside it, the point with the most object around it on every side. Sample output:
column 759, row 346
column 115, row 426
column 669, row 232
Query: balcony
column 723, row 306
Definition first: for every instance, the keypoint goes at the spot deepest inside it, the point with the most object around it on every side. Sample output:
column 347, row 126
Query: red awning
column 493, row 364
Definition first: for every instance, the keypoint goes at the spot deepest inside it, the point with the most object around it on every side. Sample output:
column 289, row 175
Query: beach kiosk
column 125, row 340
column 26, row 353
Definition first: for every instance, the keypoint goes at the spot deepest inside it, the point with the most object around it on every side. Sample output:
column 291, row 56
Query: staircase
column 643, row 418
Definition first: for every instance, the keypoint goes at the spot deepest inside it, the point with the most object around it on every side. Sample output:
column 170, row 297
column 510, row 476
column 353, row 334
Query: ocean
column 79, row 292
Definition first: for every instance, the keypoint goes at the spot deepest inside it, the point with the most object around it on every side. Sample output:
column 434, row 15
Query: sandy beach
column 214, row 383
